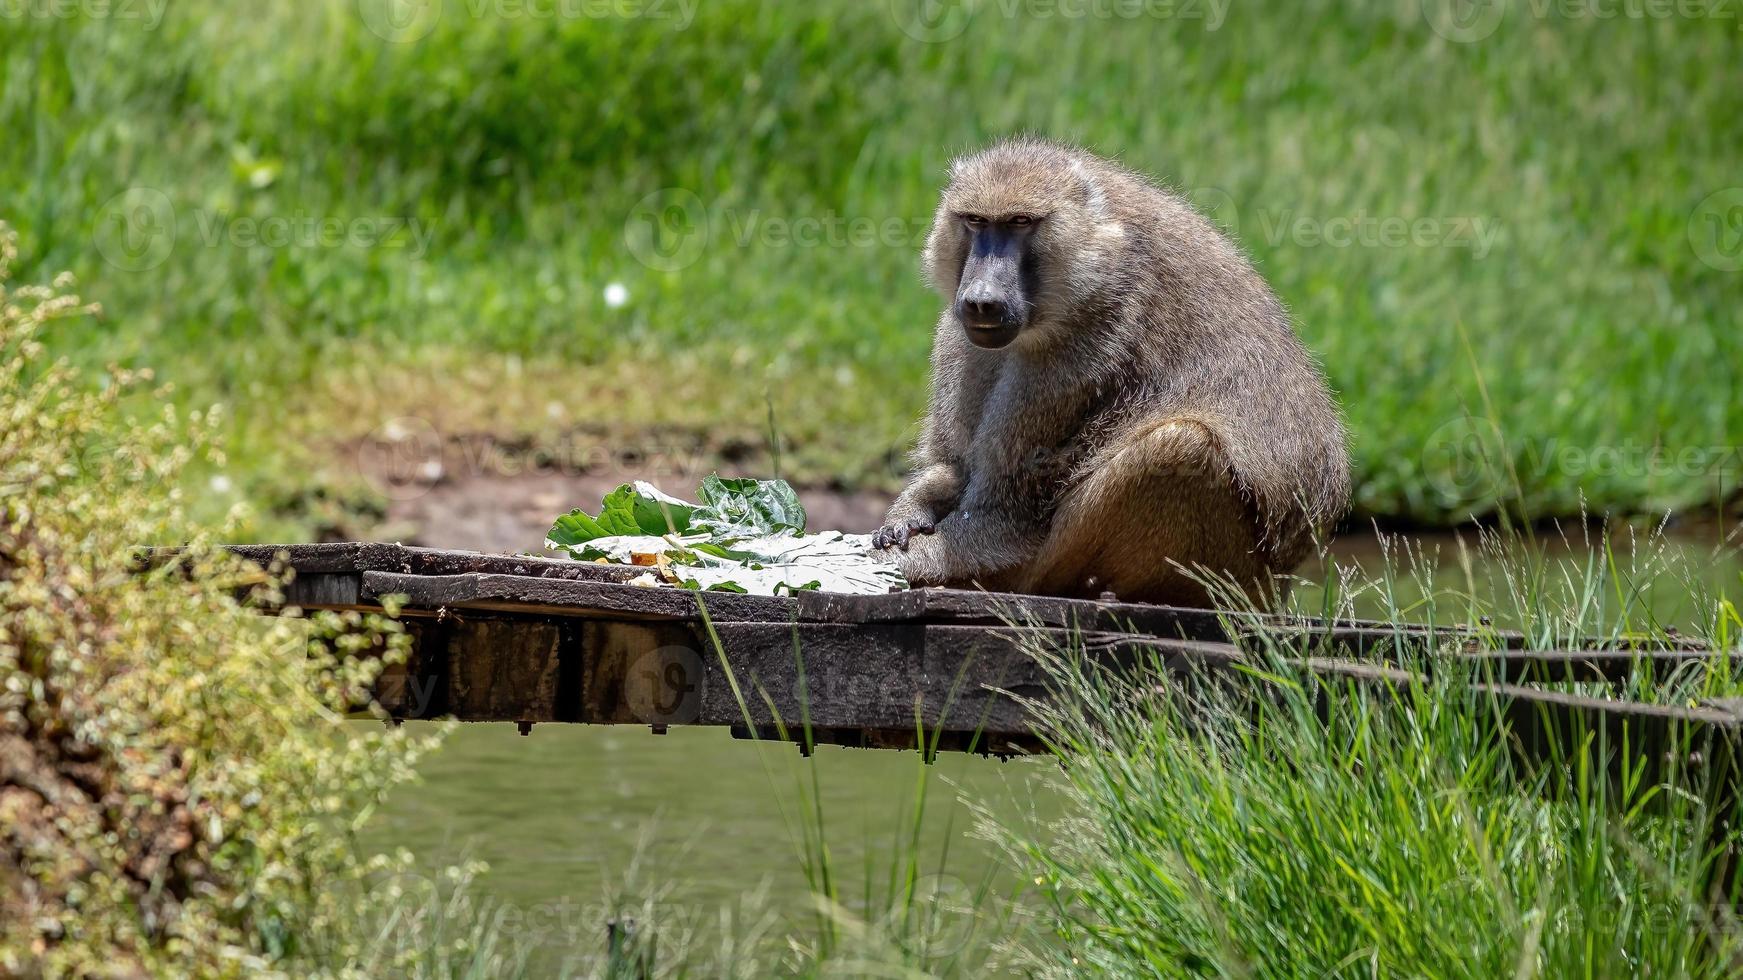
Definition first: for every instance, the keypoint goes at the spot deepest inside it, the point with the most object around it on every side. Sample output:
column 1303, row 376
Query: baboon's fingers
column 897, row 534
column 914, row 526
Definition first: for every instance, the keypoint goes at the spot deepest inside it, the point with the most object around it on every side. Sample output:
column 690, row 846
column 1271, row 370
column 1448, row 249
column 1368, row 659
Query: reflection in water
column 572, row 818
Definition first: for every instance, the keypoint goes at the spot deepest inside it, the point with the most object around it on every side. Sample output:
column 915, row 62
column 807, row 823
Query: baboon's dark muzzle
column 989, row 300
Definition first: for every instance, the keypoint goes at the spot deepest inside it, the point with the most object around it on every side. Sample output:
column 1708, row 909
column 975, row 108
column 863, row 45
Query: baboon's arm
column 995, row 528
column 970, row 548
column 933, row 494
column 936, row 488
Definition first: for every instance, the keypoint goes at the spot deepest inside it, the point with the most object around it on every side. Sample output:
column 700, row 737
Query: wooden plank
column 882, row 677
column 951, row 605
column 920, row 605
column 323, row 590
column 1585, row 666
column 363, row 556
column 519, row 593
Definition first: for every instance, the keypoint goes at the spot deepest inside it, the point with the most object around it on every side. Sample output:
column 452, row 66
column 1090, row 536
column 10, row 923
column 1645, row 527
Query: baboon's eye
column 1021, row 221
column 974, row 221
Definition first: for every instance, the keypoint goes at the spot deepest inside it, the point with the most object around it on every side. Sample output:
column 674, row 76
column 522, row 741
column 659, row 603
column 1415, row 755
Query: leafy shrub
column 176, row 773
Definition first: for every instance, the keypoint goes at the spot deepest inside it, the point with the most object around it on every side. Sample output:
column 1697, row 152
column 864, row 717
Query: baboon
column 1117, row 396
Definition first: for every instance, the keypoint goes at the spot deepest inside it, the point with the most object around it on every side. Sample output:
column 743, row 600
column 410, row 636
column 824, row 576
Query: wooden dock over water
column 534, row 640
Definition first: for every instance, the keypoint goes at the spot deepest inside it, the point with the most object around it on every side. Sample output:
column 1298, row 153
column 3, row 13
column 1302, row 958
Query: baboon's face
column 1005, row 248
column 994, row 295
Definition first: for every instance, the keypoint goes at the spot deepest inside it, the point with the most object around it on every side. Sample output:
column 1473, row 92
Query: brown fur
column 1158, row 410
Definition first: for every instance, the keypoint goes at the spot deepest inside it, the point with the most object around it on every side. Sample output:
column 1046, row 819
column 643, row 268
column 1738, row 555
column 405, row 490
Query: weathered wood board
column 532, row 640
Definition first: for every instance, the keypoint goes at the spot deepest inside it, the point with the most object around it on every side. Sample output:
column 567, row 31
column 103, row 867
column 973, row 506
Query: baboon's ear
column 1089, row 190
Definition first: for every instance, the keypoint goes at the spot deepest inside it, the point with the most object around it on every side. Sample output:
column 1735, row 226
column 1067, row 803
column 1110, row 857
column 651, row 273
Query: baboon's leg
column 1163, row 491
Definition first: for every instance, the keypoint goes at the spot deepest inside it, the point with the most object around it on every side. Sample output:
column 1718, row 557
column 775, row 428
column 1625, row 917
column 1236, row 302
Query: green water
column 577, row 822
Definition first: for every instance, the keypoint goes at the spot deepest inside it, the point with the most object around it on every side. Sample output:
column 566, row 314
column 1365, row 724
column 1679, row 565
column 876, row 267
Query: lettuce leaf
column 747, row 508
column 745, row 536
column 630, row 510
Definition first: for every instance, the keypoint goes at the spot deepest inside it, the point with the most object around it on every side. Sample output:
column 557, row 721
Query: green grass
column 1335, row 831
column 525, row 150
column 1327, row 828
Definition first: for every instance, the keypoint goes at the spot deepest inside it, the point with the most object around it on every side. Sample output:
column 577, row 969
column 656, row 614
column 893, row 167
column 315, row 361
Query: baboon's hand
column 898, row 532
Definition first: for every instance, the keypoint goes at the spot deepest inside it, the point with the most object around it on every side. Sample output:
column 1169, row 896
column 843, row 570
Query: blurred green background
column 703, row 217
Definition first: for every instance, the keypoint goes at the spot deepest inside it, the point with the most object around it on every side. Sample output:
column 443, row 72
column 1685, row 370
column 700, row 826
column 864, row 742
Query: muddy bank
column 496, row 513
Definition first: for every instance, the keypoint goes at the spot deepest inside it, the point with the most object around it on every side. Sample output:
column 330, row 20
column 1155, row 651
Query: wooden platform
column 533, row 640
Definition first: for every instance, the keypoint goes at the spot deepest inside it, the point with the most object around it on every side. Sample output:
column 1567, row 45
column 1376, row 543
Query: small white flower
column 616, row 294
column 220, row 484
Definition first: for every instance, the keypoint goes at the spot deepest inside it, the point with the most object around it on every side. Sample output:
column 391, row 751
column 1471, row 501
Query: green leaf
column 617, row 512
column 631, row 510
column 574, row 529
column 656, row 513
column 743, row 508
column 695, row 586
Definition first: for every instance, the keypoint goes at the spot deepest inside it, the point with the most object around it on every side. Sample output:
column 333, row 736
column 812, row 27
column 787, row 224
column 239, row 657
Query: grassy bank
column 1533, row 211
